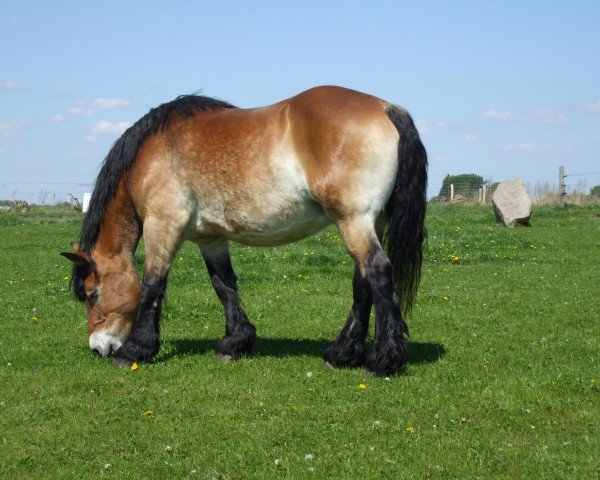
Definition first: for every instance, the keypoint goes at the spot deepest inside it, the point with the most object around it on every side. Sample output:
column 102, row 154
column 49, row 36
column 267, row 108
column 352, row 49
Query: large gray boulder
column 512, row 203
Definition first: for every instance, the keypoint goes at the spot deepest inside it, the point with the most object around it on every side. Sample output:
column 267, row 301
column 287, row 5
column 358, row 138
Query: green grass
column 502, row 380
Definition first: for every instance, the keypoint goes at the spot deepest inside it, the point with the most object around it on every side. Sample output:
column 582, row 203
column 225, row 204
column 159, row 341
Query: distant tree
column 595, row 191
column 464, row 184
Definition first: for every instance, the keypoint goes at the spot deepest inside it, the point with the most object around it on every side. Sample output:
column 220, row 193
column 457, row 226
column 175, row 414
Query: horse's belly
column 287, row 230
column 274, row 223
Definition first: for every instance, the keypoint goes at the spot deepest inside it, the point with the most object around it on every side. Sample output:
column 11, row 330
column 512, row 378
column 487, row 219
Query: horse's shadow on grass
column 418, row 352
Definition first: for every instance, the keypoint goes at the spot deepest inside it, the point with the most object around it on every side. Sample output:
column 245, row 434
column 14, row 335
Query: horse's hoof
column 219, row 357
column 132, row 352
column 122, row 362
column 326, row 364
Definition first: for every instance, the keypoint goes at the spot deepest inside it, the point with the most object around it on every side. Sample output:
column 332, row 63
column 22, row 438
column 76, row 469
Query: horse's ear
column 79, row 258
column 75, row 246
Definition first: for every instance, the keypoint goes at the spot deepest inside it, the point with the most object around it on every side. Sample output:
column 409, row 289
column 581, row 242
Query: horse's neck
column 120, row 230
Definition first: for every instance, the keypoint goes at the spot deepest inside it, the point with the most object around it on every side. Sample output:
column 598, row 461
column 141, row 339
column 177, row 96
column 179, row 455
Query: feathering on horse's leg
column 349, row 348
column 240, row 334
column 361, row 240
column 390, row 349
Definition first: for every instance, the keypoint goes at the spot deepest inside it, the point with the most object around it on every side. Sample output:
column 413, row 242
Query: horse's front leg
column 144, row 342
column 162, row 240
column 240, row 334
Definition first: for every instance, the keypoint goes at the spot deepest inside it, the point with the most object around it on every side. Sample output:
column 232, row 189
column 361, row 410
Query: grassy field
column 502, row 380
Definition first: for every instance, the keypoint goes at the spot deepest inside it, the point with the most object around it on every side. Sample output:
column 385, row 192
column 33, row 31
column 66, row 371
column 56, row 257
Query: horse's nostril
column 97, row 352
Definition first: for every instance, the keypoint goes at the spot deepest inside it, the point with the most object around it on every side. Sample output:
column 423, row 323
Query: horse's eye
column 92, row 296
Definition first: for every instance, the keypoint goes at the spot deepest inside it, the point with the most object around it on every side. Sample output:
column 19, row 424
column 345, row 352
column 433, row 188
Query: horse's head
column 110, row 289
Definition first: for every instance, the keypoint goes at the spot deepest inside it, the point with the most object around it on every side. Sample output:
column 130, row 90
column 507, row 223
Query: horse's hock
column 511, row 202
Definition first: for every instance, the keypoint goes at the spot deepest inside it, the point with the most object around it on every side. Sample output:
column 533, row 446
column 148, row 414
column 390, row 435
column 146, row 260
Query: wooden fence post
column 561, row 186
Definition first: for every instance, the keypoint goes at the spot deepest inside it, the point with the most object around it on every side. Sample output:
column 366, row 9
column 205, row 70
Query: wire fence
column 542, row 189
column 578, row 188
column 43, row 193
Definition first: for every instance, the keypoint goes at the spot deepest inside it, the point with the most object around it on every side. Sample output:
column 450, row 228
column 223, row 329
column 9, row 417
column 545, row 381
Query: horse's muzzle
column 104, row 343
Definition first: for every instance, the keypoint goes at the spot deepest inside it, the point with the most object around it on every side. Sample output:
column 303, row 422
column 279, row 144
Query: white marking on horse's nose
column 103, row 343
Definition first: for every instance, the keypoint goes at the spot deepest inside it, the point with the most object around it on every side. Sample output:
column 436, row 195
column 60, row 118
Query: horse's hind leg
column 349, row 348
column 390, row 350
column 239, row 332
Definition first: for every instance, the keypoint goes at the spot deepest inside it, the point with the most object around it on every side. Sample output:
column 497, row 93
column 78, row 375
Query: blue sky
column 500, row 89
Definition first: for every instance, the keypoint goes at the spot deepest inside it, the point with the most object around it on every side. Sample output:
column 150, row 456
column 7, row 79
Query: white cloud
column 547, row 116
column 469, row 137
column 80, row 108
column 11, row 125
column 110, row 128
column 592, row 107
column 89, row 139
column 496, row 115
column 423, row 127
column 89, row 108
column 110, row 103
column 11, row 128
column 440, row 158
column 58, row 118
column 541, row 115
column 10, row 85
column 532, row 148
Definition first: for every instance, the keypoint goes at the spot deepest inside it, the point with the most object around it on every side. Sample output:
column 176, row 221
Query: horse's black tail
column 405, row 209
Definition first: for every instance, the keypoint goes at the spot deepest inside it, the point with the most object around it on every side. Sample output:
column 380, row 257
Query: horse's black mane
column 119, row 160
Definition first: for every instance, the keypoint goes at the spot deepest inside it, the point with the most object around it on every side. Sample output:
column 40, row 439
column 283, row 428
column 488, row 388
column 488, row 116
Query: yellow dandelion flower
column 410, row 429
column 134, row 367
column 148, row 413
column 312, row 389
column 34, row 318
column 67, row 277
column 362, row 386
column 445, row 298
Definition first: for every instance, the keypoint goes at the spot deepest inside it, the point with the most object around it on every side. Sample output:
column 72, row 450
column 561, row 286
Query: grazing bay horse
column 200, row 169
